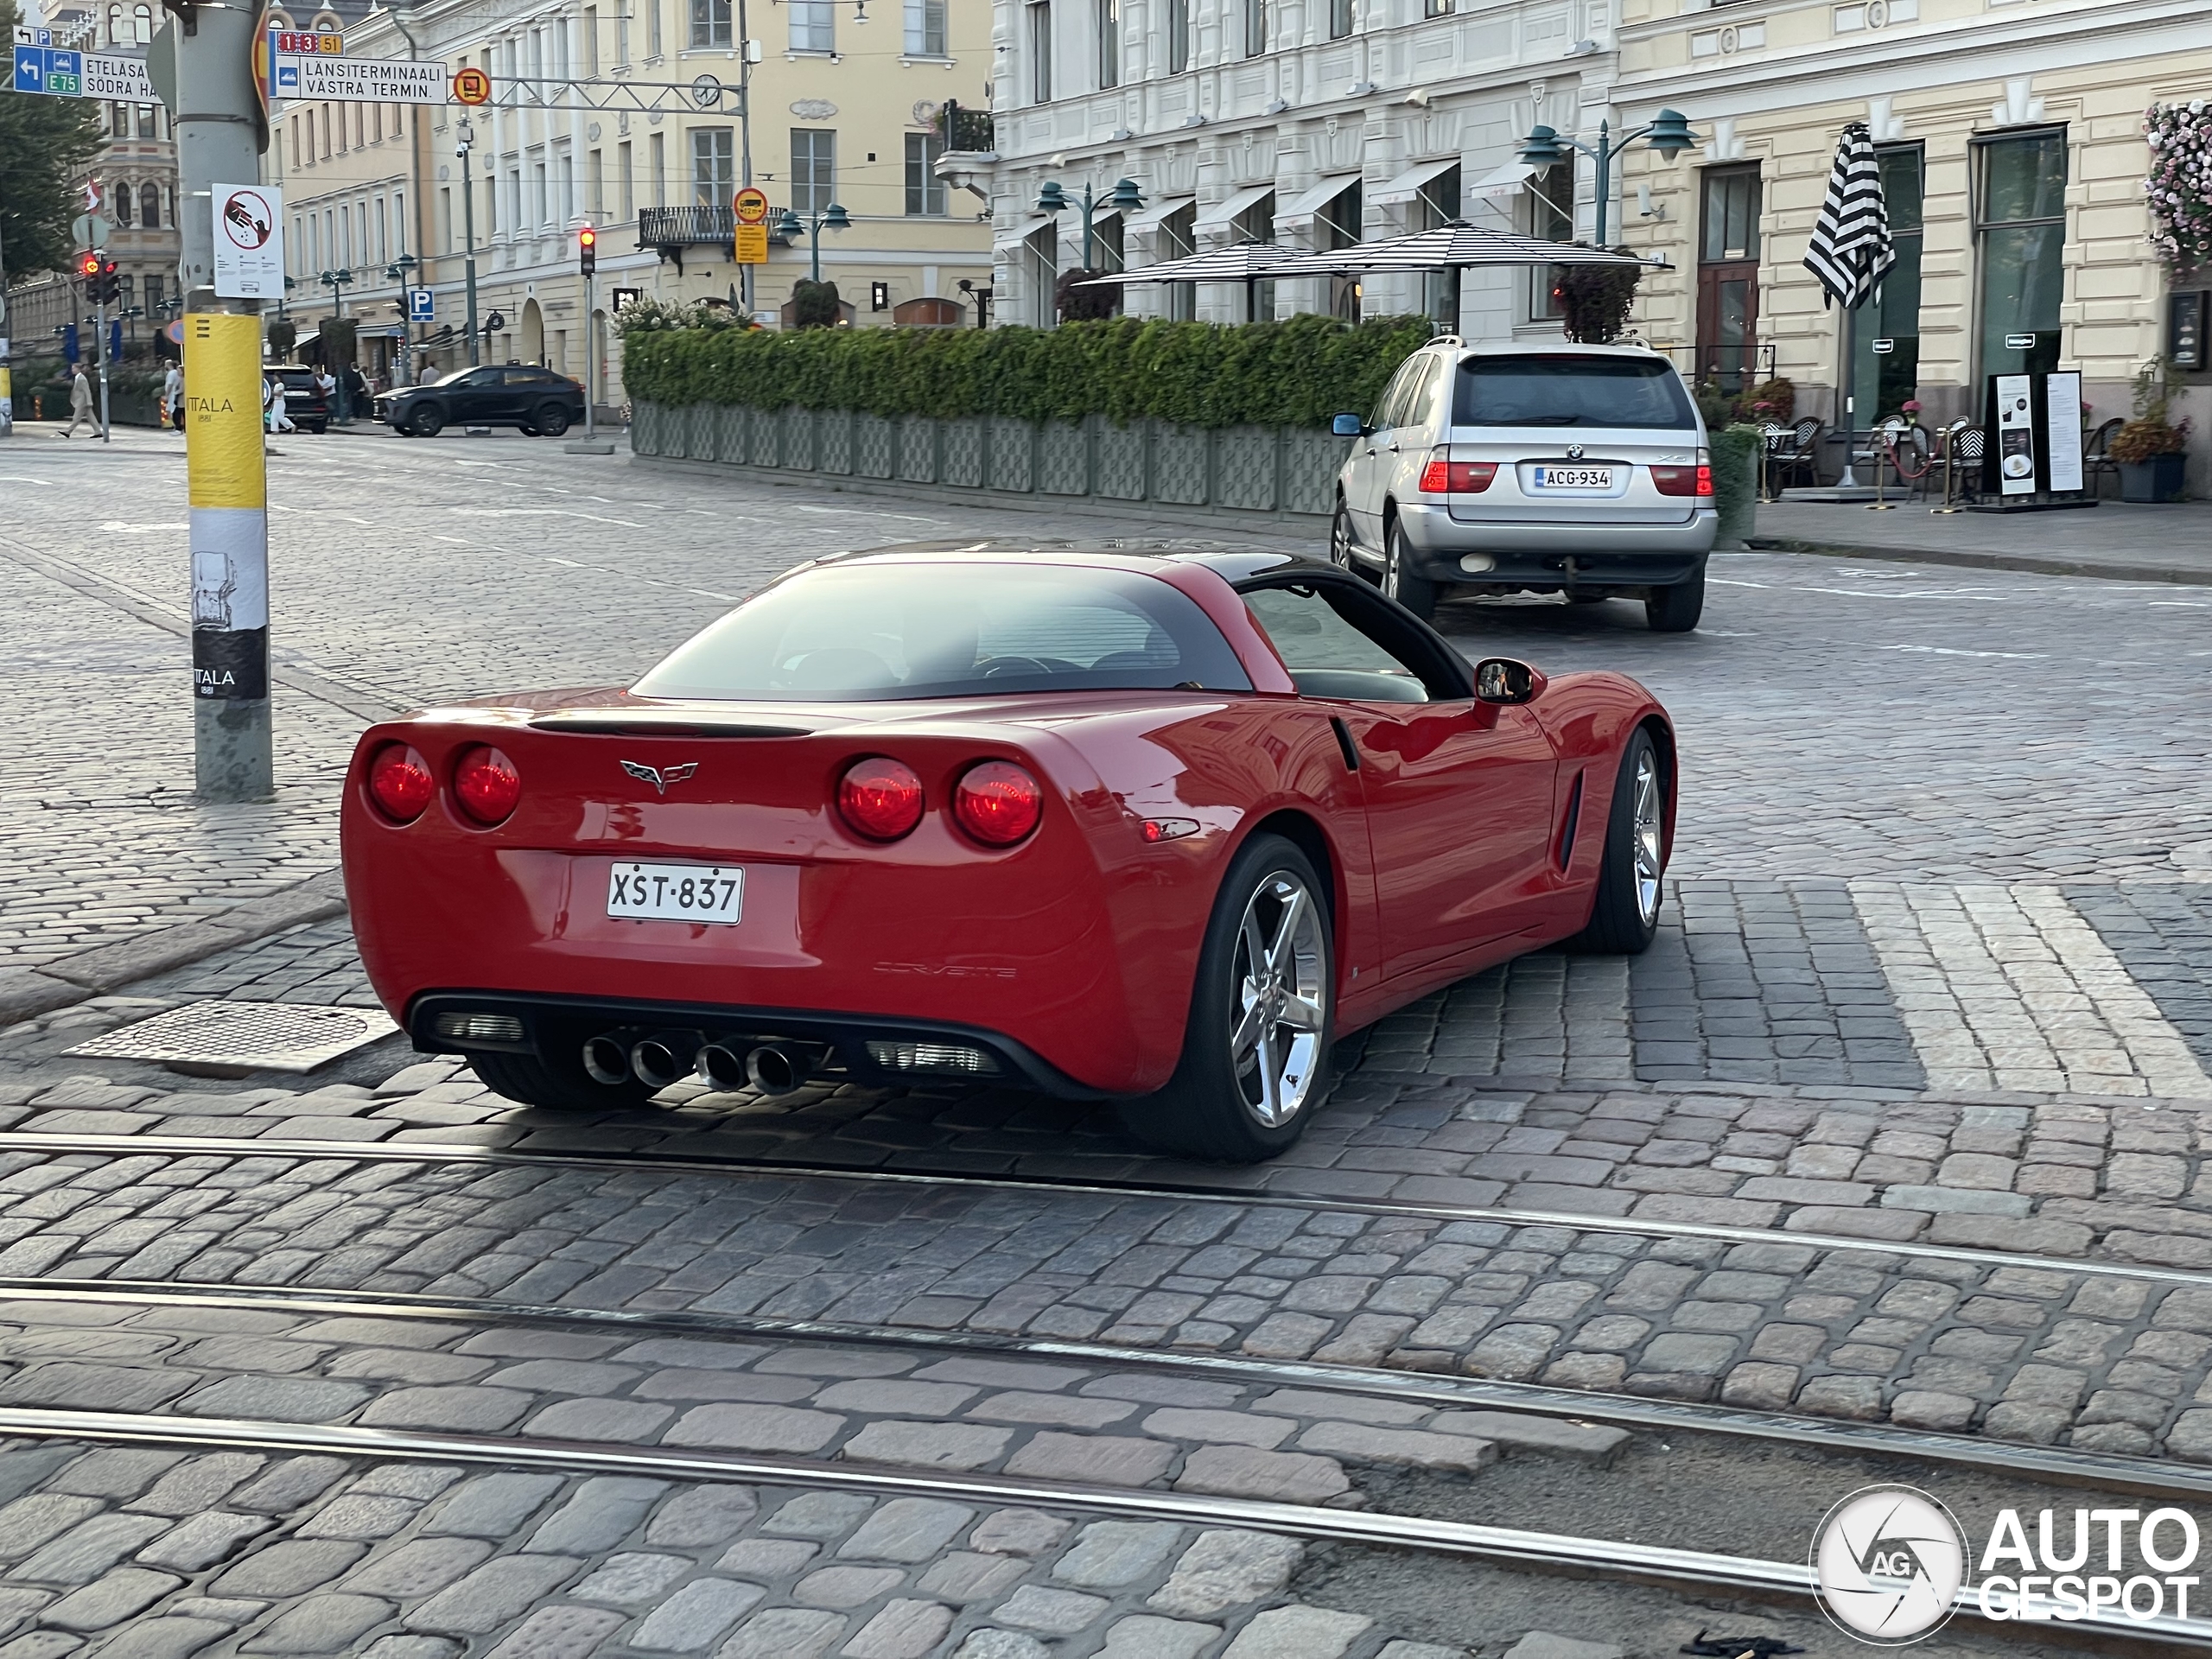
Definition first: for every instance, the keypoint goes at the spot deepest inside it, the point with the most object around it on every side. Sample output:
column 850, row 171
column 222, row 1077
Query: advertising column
column 229, row 494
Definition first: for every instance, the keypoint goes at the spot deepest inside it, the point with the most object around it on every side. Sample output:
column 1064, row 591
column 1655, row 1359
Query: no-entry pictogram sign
column 750, row 205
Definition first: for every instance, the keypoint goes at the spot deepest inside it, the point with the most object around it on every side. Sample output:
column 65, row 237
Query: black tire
column 550, row 419
column 427, row 421
column 527, row 431
column 320, row 427
column 1208, row 1109
column 1620, row 923
column 1676, row 609
column 556, row 1085
column 1401, row 581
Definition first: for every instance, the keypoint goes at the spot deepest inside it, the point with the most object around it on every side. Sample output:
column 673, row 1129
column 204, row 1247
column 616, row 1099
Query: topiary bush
column 1596, row 300
column 1295, row 372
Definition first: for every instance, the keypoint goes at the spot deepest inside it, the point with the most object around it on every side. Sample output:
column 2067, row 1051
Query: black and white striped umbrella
column 1246, row 262
column 1850, row 245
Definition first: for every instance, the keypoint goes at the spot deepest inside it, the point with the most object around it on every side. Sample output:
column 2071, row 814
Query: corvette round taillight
column 998, row 802
column 400, row 782
column 486, row 784
column 880, row 798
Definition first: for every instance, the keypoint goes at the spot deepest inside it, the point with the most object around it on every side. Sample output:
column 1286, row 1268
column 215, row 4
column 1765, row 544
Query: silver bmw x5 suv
column 1542, row 469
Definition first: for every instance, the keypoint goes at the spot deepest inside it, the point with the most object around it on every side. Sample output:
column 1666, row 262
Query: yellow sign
column 471, row 85
column 750, row 206
column 752, row 245
column 222, row 411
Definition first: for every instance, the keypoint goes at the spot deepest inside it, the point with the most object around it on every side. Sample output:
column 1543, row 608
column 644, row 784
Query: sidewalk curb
column 2105, row 570
column 26, row 992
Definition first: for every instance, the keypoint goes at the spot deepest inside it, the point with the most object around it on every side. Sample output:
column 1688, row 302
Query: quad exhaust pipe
column 769, row 1068
column 669, row 1056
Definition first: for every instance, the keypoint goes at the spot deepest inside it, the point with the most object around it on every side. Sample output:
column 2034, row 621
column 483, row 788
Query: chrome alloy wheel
column 1282, row 992
column 1340, row 553
column 1648, row 832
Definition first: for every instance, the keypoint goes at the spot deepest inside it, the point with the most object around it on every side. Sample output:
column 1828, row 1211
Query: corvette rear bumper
column 878, row 1050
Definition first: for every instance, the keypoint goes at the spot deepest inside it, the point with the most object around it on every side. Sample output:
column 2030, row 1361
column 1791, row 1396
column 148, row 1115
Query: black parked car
column 305, row 406
column 537, row 400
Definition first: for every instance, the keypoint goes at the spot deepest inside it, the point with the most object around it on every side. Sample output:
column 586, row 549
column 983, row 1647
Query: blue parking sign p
column 421, row 305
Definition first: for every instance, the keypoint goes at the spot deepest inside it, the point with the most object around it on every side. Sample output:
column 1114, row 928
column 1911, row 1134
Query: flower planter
column 2157, row 479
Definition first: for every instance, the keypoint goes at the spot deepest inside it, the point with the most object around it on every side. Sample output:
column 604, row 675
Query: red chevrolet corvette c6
column 1152, row 827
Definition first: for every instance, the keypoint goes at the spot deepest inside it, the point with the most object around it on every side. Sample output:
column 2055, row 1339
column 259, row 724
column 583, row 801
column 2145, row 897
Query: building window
column 1728, row 277
column 2020, row 214
column 1255, row 28
column 1109, row 43
column 1438, row 204
column 713, row 172
column 1257, row 224
column 710, row 22
column 147, row 127
column 656, row 160
column 1885, row 330
column 926, row 193
column 1550, row 196
column 540, row 196
column 621, row 33
column 1040, row 51
column 626, row 180
column 595, row 185
column 126, row 288
column 1040, row 254
column 591, row 41
column 156, row 294
column 814, row 169
column 1341, row 19
column 1436, row 8
column 1179, row 36
column 814, row 26
column 652, row 27
column 1178, row 239
column 123, row 198
column 925, row 28
column 142, row 25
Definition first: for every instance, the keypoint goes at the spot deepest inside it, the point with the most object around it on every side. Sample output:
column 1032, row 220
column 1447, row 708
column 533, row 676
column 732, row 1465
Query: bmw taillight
column 486, row 784
column 998, row 802
column 400, row 782
column 1682, row 481
column 1445, row 476
column 880, row 798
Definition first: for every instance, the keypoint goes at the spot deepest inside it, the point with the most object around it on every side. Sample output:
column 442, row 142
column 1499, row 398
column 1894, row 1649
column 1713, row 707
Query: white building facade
column 1311, row 123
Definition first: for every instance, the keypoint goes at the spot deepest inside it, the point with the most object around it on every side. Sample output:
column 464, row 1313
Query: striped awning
column 1225, row 211
column 1247, row 262
column 1451, row 246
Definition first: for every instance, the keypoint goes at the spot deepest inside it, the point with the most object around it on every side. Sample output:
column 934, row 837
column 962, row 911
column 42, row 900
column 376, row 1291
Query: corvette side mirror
column 1348, row 426
column 1500, row 679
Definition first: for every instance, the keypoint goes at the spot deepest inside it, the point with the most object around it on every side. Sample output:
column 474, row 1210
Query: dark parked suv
column 305, row 406
column 522, row 395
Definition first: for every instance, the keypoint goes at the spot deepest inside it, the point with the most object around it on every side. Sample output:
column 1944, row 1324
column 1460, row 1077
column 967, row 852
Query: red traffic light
column 88, row 264
column 586, row 237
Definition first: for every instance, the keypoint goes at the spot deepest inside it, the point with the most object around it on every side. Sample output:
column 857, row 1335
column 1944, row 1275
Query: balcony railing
column 684, row 227
column 967, row 131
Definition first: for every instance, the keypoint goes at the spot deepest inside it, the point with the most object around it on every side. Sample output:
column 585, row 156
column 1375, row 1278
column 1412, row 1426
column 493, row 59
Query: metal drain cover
column 259, row 1036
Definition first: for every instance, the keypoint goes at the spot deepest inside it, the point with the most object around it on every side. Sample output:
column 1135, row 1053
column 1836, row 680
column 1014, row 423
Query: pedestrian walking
column 80, row 404
column 357, row 392
column 173, row 398
column 273, row 399
column 326, row 384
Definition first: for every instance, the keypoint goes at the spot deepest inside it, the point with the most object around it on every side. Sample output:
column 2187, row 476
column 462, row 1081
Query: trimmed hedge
column 1296, row 373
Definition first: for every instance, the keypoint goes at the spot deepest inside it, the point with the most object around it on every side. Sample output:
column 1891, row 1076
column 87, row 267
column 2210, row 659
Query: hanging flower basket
column 2178, row 189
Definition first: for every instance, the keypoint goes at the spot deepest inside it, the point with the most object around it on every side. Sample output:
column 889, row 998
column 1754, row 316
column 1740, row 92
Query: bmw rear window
column 1565, row 390
column 869, row 633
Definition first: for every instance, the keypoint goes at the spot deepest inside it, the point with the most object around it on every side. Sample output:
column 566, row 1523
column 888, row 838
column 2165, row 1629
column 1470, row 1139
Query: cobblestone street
column 1900, row 1133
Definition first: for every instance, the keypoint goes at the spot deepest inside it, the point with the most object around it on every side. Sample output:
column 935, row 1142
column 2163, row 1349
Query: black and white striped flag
column 1850, row 245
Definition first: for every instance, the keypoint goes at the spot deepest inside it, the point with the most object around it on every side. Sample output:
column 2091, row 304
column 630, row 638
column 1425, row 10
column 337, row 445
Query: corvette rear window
column 1566, row 389
column 866, row 632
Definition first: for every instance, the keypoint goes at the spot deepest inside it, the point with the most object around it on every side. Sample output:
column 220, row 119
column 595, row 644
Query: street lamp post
column 467, row 136
column 1124, row 197
column 1669, row 134
column 336, row 282
column 832, row 218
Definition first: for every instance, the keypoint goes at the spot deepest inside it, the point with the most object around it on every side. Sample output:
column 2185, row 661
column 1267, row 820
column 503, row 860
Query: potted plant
column 2150, row 450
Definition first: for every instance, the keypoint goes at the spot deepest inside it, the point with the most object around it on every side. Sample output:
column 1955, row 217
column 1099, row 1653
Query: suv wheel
column 1401, row 581
column 1340, row 545
column 427, row 421
column 550, row 419
column 1676, row 609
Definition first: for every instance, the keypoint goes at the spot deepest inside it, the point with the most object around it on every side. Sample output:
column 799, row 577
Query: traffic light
column 88, row 267
column 110, row 282
column 588, row 249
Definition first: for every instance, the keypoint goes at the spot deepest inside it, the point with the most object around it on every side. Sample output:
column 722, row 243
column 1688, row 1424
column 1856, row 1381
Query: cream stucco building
column 594, row 119
column 2010, row 139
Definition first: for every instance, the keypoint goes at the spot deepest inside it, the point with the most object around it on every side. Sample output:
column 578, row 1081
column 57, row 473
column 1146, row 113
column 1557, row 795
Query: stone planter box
column 2154, row 481
column 1246, row 469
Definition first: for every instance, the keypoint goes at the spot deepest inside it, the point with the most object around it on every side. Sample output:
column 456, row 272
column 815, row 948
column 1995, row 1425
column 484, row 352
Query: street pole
column 99, row 323
column 468, row 232
column 1605, row 156
column 744, row 133
column 219, row 124
column 591, row 359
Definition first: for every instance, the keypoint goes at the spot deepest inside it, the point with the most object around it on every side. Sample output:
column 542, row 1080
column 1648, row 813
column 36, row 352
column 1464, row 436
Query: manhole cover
column 259, row 1036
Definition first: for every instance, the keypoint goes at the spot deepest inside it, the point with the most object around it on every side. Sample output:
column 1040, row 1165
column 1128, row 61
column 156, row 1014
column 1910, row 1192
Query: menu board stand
column 2033, row 460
